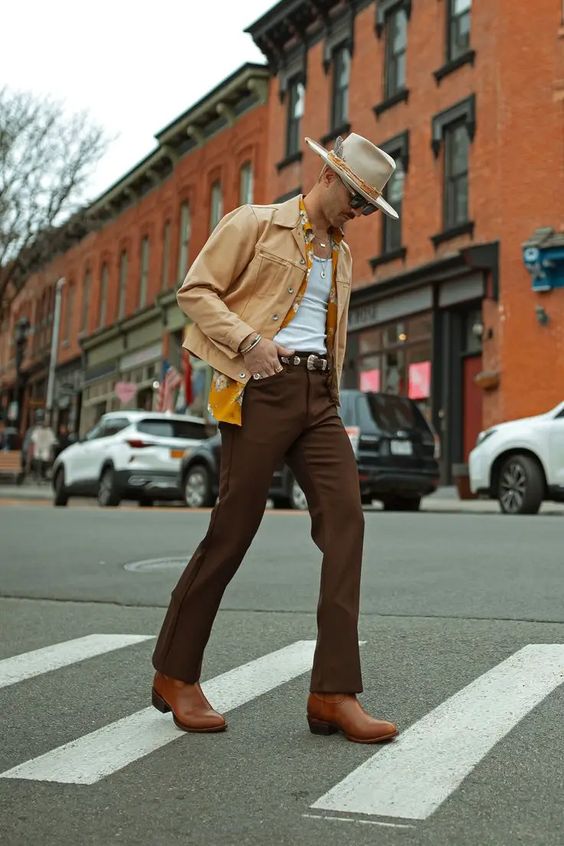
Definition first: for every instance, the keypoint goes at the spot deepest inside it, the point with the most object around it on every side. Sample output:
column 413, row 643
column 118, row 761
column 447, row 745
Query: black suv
column 393, row 444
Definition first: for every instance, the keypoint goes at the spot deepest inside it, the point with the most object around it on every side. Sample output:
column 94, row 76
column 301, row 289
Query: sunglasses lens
column 357, row 201
column 369, row 209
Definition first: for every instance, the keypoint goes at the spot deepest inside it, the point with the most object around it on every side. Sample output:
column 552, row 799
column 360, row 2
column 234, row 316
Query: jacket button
column 302, row 261
column 275, row 317
column 242, row 375
column 290, row 290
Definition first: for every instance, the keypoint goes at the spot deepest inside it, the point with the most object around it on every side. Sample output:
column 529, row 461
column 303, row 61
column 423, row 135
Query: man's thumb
column 284, row 350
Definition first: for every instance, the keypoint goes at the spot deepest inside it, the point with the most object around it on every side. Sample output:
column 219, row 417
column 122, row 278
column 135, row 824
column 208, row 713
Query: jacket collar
column 288, row 213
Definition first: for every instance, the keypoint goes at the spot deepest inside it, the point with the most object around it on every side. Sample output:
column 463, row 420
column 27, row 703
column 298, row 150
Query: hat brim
column 375, row 199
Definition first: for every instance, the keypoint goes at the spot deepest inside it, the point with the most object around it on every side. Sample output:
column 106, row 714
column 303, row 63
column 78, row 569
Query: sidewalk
column 445, row 500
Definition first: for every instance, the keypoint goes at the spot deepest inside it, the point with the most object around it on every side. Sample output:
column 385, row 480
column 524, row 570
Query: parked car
column 521, row 462
column 127, row 455
column 395, row 449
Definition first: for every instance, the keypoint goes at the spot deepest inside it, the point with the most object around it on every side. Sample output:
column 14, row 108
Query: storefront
column 420, row 335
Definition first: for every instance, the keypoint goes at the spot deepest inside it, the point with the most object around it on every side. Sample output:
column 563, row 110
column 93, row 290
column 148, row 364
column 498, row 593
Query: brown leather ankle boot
column 328, row 713
column 191, row 711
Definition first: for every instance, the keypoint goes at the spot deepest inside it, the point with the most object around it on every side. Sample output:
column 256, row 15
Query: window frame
column 216, row 203
column 398, row 148
column 339, row 117
column 144, row 258
column 451, row 180
column 183, row 242
column 86, row 296
column 165, row 263
column 452, row 21
column 246, row 186
column 391, row 86
column 103, row 302
column 293, row 124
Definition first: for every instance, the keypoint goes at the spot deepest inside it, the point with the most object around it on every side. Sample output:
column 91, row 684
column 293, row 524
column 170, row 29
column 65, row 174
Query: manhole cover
column 152, row 564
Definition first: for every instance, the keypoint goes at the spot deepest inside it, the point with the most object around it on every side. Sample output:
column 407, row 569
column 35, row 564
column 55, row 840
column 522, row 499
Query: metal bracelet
column 252, row 345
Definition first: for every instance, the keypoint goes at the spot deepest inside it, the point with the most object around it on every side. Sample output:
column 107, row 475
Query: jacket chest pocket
column 273, row 275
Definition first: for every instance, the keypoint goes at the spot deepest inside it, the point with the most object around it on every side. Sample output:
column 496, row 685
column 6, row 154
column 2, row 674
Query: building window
column 185, row 227
column 165, row 269
column 458, row 28
column 69, row 307
column 396, row 46
column 144, row 277
column 103, row 295
column 393, row 193
column 341, row 77
column 246, row 184
column 216, row 205
column 123, row 263
column 296, row 102
column 456, row 175
column 86, row 291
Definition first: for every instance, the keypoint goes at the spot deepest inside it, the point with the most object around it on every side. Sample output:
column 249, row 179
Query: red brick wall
column 221, row 156
column 515, row 164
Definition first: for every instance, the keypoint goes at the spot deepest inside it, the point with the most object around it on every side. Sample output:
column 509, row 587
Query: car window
column 389, row 413
column 95, row 432
column 113, row 426
column 559, row 415
column 173, row 429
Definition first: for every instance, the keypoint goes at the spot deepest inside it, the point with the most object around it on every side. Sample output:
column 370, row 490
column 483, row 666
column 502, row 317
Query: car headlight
column 483, row 436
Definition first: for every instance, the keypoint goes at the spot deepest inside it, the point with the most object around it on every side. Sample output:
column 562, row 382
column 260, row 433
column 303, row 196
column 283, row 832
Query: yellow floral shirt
column 226, row 395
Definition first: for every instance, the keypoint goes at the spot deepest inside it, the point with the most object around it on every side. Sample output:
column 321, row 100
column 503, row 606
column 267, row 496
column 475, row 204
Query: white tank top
column 308, row 328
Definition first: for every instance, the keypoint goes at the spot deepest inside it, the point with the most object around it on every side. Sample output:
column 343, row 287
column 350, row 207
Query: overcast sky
column 135, row 65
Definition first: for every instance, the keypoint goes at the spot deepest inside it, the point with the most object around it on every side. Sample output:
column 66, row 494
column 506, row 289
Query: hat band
column 341, row 163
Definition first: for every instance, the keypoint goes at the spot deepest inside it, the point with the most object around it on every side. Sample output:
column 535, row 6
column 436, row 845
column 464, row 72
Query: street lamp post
column 22, row 329
column 54, row 347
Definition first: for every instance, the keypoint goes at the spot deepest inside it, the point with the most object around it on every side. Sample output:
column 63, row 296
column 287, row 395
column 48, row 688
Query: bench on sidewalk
column 10, row 464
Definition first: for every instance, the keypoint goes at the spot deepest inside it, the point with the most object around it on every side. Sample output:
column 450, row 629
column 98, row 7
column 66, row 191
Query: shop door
column 471, row 403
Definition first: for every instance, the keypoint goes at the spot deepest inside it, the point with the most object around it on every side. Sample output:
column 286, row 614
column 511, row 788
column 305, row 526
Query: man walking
column 268, row 296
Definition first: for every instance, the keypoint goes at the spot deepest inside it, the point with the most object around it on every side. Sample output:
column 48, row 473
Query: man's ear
column 329, row 175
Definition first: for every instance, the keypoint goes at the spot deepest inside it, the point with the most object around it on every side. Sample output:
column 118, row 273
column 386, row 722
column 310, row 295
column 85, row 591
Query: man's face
column 338, row 210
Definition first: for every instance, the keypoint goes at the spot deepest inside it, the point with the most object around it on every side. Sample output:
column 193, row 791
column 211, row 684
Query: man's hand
column 264, row 358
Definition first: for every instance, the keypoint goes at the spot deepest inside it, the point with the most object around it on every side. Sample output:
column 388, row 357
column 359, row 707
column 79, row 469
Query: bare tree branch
column 46, row 159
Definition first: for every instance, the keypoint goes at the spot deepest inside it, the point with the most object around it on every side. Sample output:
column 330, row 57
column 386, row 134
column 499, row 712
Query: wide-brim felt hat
column 363, row 166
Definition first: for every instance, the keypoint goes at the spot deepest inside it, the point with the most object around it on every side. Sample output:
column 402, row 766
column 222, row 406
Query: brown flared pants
column 289, row 415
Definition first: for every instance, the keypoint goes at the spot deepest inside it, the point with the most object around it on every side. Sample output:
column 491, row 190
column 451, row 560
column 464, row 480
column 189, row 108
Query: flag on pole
column 170, row 381
column 188, row 393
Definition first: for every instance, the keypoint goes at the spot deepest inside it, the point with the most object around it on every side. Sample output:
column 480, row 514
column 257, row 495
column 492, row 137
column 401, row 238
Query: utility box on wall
column 543, row 255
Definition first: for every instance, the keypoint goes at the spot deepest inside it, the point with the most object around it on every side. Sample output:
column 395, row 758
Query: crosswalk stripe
column 411, row 777
column 48, row 658
column 100, row 753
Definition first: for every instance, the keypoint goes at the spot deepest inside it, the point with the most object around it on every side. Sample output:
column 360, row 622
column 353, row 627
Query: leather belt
column 311, row 362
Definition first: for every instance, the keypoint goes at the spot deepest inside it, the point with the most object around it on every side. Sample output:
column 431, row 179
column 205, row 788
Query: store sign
column 370, row 380
column 419, row 380
column 365, row 315
column 144, row 356
column 125, row 391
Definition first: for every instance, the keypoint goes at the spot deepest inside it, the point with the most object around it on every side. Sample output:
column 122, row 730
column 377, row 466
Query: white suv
column 127, row 455
column 521, row 463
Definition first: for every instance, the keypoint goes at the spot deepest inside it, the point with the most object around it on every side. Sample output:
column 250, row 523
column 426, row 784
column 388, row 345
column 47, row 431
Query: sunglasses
column 357, row 201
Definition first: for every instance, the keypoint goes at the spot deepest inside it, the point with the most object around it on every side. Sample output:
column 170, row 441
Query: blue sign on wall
column 543, row 256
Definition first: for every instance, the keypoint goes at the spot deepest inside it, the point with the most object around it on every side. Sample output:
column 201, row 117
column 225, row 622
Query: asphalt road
column 447, row 600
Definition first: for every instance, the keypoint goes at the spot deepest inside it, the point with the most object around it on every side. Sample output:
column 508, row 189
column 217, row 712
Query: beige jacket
column 245, row 280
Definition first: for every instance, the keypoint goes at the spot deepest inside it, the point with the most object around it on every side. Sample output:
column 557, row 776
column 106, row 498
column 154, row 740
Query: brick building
column 469, row 99
column 119, row 318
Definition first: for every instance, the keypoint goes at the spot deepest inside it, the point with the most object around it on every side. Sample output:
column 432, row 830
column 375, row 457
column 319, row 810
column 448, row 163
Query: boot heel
column 158, row 702
column 321, row 727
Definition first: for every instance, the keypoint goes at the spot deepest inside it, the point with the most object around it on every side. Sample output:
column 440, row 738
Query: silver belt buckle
column 311, row 359
column 296, row 359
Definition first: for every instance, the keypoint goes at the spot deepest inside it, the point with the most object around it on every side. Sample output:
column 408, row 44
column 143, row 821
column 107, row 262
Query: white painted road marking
column 100, row 753
column 411, row 777
column 30, row 664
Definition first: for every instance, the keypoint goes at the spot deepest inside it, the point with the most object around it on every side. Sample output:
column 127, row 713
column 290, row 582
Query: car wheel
column 366, row 499
column 61, row 496
column 402, row 503
column 281, row 502
column 520, row 486
column 146, row 503
column 297, row 497
column 197, row 487
column 108, row 496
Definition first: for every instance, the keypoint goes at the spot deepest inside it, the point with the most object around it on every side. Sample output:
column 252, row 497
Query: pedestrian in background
column 42, row 440
column 268, row 297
